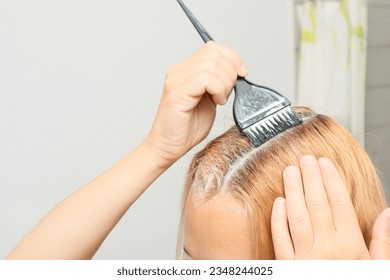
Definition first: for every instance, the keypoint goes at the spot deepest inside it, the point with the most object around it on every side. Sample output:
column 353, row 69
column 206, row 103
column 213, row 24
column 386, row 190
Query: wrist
column 159, row 158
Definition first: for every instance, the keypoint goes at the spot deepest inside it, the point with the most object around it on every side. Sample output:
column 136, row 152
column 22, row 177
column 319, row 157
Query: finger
column 176, row 68
column 186, row 64
column 201, row 83
column 234, row 58
column 214, row 58
column 179, row 74
column 218, row 55
column 315, row 196
column 284, row 249
column 218, row 65
column 213, row 49
column 297, row 214
column 343, row 212
column 221, row 68
column 380, row 241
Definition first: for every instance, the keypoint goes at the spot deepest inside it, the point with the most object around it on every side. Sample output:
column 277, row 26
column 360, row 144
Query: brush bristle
column 267, row 128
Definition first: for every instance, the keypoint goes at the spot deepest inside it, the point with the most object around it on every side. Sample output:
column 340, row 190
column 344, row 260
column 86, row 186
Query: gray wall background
column 80, row 82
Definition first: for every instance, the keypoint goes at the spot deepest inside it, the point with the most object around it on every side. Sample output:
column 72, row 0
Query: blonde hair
column 231, row 164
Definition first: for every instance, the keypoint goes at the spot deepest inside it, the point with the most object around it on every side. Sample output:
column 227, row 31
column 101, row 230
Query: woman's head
column 231, row 186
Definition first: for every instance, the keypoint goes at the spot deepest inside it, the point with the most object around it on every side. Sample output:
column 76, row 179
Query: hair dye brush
column 259, row 112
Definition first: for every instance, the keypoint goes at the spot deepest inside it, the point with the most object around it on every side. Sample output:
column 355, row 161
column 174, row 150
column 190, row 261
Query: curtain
column 332, row 60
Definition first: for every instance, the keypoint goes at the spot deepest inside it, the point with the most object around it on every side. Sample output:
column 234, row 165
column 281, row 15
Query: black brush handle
column 195, row 22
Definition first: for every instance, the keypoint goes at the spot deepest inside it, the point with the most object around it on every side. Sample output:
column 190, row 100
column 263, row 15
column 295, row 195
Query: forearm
column 77, row 226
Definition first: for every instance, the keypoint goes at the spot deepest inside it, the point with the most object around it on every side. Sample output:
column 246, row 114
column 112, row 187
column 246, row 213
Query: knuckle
column 211, row 64
column 339, row 203
column 299, row 219
column 204, row 77
column 219, row 88
column 215, row 54
column 281, row 243
column 211, row 45
column 169, row 84
column 173, row 97
column 171, row 70
column 318, row 204
column 384, row 241
column 228, row 90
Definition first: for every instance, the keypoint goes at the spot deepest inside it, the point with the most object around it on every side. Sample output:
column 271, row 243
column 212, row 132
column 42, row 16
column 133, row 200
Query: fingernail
column 243, row 71
column 291, row 171
column 324, row 162
column 279, row 202
column 307, row 160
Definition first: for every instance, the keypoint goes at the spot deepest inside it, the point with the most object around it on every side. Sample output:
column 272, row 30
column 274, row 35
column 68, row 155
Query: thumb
column 380, row 240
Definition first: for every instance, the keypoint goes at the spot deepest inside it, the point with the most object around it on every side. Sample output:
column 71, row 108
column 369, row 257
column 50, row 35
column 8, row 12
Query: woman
column 77, row 226
column 232, row 182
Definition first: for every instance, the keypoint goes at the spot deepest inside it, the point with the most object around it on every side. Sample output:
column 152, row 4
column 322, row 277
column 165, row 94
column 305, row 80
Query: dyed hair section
column 230, row 163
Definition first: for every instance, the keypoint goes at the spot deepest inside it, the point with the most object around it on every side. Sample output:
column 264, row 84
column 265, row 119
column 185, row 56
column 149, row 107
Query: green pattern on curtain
column 332, row 61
